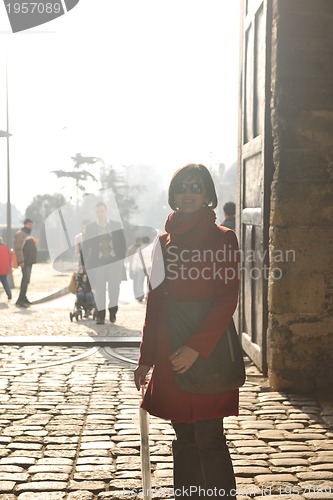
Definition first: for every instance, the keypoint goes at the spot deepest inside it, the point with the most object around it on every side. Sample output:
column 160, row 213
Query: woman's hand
column 140, row 374
column 183, row 359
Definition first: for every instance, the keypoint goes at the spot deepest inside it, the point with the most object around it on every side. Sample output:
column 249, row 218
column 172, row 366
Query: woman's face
column 190, row 195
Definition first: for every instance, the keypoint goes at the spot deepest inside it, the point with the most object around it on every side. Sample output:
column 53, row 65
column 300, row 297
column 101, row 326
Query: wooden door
column 255, row 167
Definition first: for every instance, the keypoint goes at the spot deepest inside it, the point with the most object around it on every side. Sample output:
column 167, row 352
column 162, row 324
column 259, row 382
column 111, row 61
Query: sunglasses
column 194, row 187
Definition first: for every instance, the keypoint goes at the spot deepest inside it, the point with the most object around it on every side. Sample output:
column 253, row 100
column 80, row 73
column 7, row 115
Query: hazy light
column 131, row 82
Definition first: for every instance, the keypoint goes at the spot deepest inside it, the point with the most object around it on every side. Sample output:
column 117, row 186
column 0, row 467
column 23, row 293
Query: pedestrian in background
column 5, row 266
column 26, row 255
column 229, row 209
column 140, row 268
column 104, row 251
column 200, row 452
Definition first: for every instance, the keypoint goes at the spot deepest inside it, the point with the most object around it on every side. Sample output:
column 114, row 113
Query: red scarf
column 192, row 230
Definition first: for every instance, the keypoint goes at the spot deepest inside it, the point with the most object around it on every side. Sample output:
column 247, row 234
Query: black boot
column 113, row 312
column 100, row 317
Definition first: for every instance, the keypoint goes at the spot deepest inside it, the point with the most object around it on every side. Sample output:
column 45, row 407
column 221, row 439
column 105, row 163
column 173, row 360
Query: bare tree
column 79, row 174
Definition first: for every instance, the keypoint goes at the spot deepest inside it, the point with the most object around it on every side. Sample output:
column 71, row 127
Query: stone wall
column 300, row 332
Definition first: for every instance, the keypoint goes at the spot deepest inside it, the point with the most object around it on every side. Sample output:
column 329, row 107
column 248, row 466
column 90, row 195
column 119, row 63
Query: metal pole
column 9, row 209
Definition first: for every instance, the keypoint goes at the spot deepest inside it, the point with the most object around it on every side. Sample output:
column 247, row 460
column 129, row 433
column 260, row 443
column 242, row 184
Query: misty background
column 142, row 87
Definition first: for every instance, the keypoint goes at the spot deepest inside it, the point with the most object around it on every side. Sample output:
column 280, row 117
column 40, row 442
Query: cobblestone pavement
column 69, row 417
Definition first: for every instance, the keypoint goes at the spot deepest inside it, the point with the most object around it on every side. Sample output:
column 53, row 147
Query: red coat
column 208, row 257
column 5, row 260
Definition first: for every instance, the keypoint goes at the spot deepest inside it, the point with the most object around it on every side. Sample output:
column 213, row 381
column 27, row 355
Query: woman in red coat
column 5, row 265
column 201, row 264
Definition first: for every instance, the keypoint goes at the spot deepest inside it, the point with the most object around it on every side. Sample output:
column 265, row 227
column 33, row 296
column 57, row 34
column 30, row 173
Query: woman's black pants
column 202, row 463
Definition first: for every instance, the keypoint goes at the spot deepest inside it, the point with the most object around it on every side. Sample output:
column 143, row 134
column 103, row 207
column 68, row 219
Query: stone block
column 287, row 496
column 319, row 495
column 80, row 495
column 55, row 461
column 24, row 446
column 307, row 130
column 7, row 485
column 315, row 476
column 257, row 425
column 41, row 496
column 36, row 469
column 42, row 486
column 14, row 476
column 311, row 351
column 288, row 207
column 276, row 478
column 250, row 471
column 305, row 56
column 292, row 294
column 94, row 461
column 10, row 468
column 120, row 484
column 288, row 462
column 24, row 461
column 304, row 165
column 313, row 329
column 59, row 453
column 93, row 475
column 96, row 445
column 315, row 95
column 302, row 249
column 118, row 495
column 87, row 485
column 50, row 476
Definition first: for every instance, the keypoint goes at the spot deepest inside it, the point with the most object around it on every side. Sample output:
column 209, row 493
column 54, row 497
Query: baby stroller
column 84, row 304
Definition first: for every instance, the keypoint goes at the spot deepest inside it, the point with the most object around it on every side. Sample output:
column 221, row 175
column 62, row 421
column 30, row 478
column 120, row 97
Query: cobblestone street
column 69, row 427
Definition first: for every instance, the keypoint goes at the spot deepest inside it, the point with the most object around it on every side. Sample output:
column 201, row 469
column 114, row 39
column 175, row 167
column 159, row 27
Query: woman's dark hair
column 197, row 172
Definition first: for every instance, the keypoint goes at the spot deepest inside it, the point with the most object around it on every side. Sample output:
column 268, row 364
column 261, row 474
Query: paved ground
column 69, row 416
